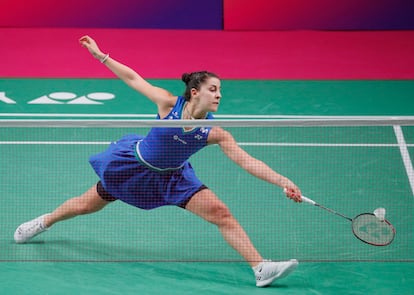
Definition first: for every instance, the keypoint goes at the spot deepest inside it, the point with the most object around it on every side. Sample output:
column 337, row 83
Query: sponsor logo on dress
column 175, row 137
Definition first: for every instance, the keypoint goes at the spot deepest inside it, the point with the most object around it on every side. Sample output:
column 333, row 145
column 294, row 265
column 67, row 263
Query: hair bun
column 186, row 77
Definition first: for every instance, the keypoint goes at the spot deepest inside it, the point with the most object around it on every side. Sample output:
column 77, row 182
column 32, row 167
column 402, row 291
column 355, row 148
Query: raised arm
column 159, row 96
column 252, row 165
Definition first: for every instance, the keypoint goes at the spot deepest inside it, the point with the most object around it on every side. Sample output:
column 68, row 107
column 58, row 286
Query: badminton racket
column 370, row 228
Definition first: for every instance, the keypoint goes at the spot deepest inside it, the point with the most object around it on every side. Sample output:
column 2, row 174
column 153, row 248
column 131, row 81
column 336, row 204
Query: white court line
column 55, row 142
column 247, row 116
column 292, row 144
column 77, row 115
column 319, row 144
column 405, row 155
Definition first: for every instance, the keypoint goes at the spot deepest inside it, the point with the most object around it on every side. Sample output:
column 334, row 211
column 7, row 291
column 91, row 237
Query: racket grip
column 307, row 200
column 304, row 199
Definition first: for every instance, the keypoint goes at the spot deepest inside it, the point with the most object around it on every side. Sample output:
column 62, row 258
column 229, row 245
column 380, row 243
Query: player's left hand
column 92, row 46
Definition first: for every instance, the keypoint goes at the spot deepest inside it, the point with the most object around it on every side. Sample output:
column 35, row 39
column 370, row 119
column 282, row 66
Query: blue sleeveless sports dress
column 153, row 170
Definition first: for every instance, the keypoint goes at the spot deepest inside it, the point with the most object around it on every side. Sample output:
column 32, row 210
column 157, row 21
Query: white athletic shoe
column 268, row 271
column 29, row 229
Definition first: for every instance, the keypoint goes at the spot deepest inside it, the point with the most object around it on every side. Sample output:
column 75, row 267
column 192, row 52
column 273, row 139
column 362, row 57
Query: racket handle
column 307, row 200
column 304, row 199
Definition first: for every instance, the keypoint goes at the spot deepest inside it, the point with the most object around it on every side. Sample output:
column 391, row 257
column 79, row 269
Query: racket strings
column 369, row 229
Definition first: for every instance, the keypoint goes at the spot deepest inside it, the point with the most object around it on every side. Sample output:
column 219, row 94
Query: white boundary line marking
column 405, row 155
column 247, row 116
column 291, row 144
column 29, row 142
column 135, row 123
column 77, row 115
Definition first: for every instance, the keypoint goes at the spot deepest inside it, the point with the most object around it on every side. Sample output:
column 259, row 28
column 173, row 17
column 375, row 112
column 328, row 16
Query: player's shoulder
column 165, row 106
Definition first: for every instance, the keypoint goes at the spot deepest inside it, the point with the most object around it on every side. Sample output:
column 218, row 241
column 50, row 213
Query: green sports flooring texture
column 122, row 250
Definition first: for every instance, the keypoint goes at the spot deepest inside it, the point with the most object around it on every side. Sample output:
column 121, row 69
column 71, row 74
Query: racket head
column 371, row 230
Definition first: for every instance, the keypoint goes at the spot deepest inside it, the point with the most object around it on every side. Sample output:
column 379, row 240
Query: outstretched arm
column 252, row 165
column 159, row 96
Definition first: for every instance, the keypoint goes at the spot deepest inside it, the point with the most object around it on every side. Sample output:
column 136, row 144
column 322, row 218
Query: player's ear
column 193, row 92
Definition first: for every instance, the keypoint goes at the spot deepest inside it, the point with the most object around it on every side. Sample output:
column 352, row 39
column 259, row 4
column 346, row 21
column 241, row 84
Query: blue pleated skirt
column 126, row 178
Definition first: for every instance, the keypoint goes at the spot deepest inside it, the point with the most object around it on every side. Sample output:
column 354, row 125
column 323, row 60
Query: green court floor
column 122, row 250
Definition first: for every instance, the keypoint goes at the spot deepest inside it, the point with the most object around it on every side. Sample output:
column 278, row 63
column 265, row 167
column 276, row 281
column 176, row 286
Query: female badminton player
column 153, row 170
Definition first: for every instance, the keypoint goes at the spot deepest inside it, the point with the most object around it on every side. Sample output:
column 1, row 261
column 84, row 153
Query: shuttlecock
column 380, row 213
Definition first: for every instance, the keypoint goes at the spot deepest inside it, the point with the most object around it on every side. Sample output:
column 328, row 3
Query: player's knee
column 221, row 214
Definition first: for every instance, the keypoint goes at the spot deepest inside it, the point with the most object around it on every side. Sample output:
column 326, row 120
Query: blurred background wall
column 211, row 14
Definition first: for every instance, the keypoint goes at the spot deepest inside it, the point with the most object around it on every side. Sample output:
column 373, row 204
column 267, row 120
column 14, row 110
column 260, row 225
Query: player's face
column 209, row 95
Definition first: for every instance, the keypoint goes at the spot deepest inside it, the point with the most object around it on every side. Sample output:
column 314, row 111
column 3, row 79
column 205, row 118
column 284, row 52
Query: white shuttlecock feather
column 380, row 213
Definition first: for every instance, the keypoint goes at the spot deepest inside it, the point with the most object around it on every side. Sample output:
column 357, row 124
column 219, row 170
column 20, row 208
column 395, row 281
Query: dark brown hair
column 194, row 80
